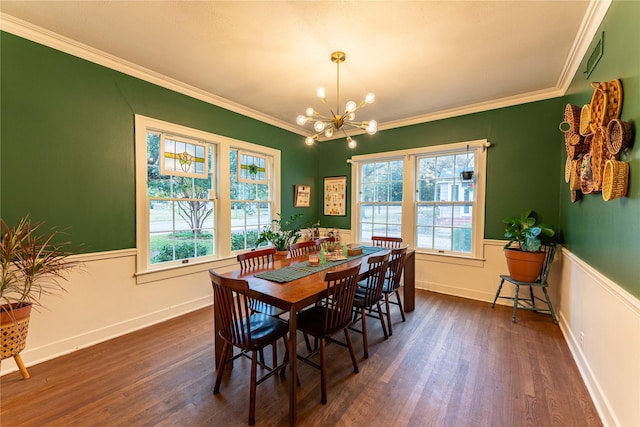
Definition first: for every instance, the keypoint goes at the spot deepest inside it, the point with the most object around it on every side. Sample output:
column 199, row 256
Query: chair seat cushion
column 312, row 321
column 264, row 329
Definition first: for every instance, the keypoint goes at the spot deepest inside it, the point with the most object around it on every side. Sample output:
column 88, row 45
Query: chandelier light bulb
column 350, row 117
column 372, row 127
column 321, row 93
column 309, row 140
column 350, row 107
column 370, row 98
column 319, row 126
column 329, row 132
column 351, row 142
column 301, row 120
column 310, row 112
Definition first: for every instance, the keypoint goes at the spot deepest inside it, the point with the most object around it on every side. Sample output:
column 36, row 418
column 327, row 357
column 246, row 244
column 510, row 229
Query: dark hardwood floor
column 454, row 362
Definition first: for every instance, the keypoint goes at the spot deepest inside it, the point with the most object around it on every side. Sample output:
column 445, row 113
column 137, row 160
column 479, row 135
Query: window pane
column 425, row 237
column 381, row 183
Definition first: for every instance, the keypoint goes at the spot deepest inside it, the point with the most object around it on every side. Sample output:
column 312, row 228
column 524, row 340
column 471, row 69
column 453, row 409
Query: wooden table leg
column 410, row 282
column 293, row 364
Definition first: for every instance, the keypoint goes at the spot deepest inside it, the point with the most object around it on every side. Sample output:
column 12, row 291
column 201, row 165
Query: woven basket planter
column 14, row 326
column 615, row 181
column 619, row 136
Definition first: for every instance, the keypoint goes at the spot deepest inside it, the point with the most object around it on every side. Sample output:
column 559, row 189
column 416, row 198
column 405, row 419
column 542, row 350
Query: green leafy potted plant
column 525, row 259
column 281, row 233
column 33, row 265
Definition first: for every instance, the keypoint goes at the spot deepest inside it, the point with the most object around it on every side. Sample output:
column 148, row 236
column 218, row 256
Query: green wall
column 606, row 235
column 67, row 150
column 67, row 142
column 523, row 162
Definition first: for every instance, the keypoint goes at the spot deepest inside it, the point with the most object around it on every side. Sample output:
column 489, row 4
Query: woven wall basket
column 598, row 105
column 585, row 120
column 586, row 175
column 599, row 155
column 571, row 124
column 618, row 136
column 615, row 181
column 574, row 180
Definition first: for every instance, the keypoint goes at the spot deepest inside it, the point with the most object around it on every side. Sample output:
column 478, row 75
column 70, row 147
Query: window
column 250, row 204
column 420, row 195
column 201, row 196
column 381, row 199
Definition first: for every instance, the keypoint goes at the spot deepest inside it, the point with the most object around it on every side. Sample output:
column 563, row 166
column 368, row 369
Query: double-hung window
column 423, row 196
column 200, row 196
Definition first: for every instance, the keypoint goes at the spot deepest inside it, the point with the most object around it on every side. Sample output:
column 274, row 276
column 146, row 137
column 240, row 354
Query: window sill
column 183, row 270
column 450, row 259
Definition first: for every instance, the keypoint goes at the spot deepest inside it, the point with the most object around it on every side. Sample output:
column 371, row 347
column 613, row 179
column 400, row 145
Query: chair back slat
column 548, row 259
column 256, row 258
column 302, row 248
column 396, row 266
column 230, row 296
column 338, row 300
column 386, row 241
column 375, row 279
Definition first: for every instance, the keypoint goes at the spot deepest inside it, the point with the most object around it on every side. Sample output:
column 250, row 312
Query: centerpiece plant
column 282, row 232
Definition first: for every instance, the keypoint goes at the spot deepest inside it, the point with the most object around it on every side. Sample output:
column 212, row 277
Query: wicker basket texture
column 585, row 120
column 567, row 170
column 614, row 101
column 14, row 337
column 571, row 124
column 599, row 155
column 619, row 135
column 598, row 105
column 615, row 180
column 574, row 179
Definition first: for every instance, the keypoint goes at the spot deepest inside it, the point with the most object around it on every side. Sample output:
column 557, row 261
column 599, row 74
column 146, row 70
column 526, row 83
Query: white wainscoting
column 104, row 302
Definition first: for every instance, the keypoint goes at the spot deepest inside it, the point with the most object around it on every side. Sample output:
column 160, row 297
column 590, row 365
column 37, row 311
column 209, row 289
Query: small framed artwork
column 335, row 196
column 302, row 196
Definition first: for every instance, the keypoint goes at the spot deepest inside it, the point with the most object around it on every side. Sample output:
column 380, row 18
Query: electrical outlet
column 582, row 340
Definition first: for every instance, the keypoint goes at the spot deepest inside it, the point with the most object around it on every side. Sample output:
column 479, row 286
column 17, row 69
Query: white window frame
column 409, row 202
column 145, row 272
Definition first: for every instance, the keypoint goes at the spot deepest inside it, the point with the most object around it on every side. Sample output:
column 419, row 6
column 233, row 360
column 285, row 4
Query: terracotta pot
column 524, row 266
column 14, row 325
column 281, row 254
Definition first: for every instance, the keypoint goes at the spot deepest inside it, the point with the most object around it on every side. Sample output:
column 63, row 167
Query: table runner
column 297, row 271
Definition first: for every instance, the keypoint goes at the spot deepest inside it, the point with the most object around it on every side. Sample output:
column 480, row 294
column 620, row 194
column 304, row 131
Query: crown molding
column 589, row 26
column 596, row 12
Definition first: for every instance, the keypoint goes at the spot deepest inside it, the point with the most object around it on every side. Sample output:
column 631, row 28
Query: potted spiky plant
column 524, row 257
column 33, row 264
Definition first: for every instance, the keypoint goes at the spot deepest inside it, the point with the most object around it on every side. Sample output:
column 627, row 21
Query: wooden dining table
column 293, row 296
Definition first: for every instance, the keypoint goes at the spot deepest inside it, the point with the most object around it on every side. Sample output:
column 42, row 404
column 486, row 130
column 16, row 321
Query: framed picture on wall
column 302, row 196
column 335, row 196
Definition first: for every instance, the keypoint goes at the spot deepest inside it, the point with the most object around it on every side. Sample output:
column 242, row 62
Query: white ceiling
column 424, row 60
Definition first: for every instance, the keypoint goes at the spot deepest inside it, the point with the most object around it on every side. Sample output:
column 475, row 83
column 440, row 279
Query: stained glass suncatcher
column 253, row 168
column 182, row 157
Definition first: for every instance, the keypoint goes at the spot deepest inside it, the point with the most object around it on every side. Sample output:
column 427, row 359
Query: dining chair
column 392, row 282
column 255, row 259
column 368, row 295
column 386, row 242
column 246, row 330
column 302, row 248
column 331, row 316
column 541, row 282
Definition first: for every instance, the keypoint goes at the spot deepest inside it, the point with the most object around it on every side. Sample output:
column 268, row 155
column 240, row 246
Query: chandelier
column 324, row 125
